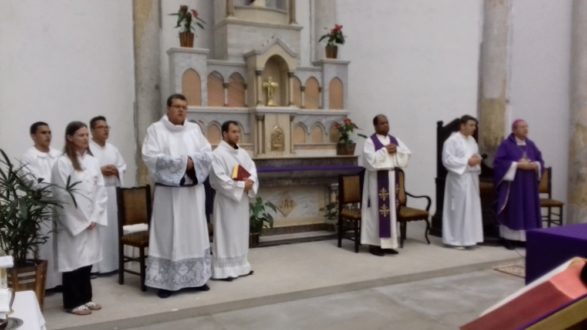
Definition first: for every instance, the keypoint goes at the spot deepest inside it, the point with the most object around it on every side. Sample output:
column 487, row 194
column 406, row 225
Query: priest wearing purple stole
column 518, row 167
column 381, row 154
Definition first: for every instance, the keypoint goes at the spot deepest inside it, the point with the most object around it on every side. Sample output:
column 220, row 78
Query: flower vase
column 331, row 51
column 345, row 149
column 186, row 39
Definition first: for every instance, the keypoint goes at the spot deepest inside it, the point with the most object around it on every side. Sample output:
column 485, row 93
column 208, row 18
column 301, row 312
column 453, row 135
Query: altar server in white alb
column 382, row 153
column 78, row 242
column 234, row 177
column 179, row 159
column 113, row 167
column 462, row 225
column 38, row 160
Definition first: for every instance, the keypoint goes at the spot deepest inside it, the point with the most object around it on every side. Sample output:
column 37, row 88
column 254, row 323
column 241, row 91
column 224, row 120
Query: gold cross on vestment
column 384, row 211
column 383, row 194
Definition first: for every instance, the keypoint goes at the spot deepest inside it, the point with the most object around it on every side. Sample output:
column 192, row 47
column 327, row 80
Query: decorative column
column 225, row 86
column 303, row 96
column 291, row 129
column 292, row 11
column 258, row 76
column 577, row 184
column 229, row 8
column 147, row 45
column 290, row 78
column 494, row 75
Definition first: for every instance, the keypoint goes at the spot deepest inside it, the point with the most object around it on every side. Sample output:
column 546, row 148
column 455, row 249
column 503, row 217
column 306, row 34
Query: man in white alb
column 113, row 167
column 382, row 153
column 462, row 225
column 38, row 160
column 234, row 177
column 179, row 159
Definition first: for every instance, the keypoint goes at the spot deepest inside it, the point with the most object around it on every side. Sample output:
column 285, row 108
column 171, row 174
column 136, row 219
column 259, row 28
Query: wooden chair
column 350, row 192
column 134, row 209
column 545, row 188
column 407, row 214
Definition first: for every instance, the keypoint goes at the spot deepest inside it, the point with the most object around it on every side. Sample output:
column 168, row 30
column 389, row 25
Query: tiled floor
column 439, row 303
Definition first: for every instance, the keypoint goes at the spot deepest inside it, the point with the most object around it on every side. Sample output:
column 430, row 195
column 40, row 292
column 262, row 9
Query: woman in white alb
column 78, row 243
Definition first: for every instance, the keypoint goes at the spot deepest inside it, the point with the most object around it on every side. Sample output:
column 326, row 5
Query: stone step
column 289, row 238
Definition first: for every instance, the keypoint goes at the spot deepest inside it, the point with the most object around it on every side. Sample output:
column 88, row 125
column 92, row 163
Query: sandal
column 93, row 306
column 80, row 310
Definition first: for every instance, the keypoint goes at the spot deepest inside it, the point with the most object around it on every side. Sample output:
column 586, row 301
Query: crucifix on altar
column 270, row 87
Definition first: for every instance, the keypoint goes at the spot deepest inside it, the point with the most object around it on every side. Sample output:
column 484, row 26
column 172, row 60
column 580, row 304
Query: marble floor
column 441, row 303
column 298, row 286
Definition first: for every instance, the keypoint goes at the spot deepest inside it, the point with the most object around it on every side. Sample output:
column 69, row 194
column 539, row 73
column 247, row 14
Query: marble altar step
column 288, row 238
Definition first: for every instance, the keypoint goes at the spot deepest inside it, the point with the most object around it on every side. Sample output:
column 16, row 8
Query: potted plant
column 330, row 213
column 25, row 205
column 260, row 217
column 333, row 38
column 187, row 20
column 345, row 145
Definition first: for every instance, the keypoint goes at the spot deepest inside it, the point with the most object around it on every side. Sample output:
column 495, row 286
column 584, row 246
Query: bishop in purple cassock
column 518, row 167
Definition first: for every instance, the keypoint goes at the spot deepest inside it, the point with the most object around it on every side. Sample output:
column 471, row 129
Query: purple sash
column 383, row 195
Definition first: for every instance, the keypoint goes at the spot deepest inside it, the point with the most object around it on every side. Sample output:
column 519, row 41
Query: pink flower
column 194, row 13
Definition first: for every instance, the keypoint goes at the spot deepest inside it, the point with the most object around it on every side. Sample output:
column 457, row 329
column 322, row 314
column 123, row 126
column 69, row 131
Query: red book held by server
column 239, row 173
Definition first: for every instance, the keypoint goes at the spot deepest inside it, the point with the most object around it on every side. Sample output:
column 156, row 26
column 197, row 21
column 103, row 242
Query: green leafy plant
column 188, row 19
column 334, row 37
column 330, row 211
column 25, row 204
column 345, row 130
column 260, row 216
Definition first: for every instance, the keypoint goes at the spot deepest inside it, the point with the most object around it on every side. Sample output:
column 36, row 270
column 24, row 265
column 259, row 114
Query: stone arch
column 214, row 133
column 317, row 134
column 299, row 134
column 312, row 94
column 200, row 124
column 336, row 94
column 276, row 68
column 334, row 134
column 297, row 91
column 191, row 87
column 236, row 90
column 215, row 89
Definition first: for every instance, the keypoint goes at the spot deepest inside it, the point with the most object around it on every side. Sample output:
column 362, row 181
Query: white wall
column 66, row 60
column 417, row 62
column 540, row 76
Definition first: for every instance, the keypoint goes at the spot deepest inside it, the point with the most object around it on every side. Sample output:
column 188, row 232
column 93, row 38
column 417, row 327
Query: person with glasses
column 113, row 166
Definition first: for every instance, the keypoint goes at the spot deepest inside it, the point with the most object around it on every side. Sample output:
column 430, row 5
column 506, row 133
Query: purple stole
column 383, row 196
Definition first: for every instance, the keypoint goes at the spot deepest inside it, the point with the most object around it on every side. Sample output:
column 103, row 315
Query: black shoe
column 376, row 251
column 57, row 289
column 250, row 273
column 390, row 251
column 161, row 293
column 508, row 244
column 228, row 279
column 204, row 287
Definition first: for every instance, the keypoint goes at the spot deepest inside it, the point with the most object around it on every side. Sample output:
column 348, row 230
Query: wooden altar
column 486, row 187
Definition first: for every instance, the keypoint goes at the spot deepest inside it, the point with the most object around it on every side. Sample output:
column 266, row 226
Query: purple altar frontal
column 547, row 248
column 304, row 171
